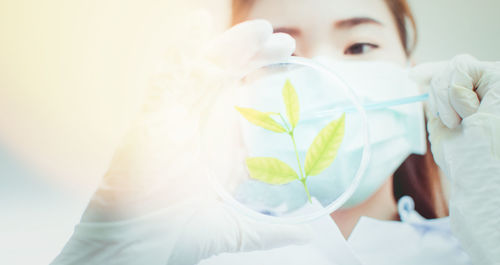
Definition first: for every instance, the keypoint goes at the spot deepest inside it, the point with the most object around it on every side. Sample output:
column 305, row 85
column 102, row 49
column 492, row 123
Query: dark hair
column 418, row 176
column 405, row 22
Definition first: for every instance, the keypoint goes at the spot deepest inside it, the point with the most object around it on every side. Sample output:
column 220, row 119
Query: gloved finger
column 437, row 133
column 423, row 74
column 439, row 91
column 489, row 88
column 216, row 229
column 466, row 74
column 237, row 45
column 278, row 48
column 431, row 105
column 263, row 236
column 464, row 101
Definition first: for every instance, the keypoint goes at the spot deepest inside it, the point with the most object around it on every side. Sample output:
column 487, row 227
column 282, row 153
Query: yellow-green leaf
column 291, row 103
column 324, row 148
column 261, row 119
column 270, row 170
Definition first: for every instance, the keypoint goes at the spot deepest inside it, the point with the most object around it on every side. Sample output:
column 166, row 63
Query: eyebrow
column 287, row 30
column 355, row 21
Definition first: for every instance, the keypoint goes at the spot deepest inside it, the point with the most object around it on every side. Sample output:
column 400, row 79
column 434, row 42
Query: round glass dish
column 287, row 144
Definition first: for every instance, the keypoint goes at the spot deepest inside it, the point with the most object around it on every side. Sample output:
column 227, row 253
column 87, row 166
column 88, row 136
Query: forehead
column 286, row 12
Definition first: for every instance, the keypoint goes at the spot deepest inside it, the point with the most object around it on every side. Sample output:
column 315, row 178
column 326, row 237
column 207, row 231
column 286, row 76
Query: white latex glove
column 154, row 205
column 464, row 128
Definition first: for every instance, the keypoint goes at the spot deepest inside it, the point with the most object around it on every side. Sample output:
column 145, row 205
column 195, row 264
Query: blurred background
column 450, row 27
column 71, row 76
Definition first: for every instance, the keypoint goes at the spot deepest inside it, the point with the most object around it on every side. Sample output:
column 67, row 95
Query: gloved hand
column 464, row 131
column 154, row 205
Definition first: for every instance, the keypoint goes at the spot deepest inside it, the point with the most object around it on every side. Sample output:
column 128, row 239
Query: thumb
column 464, row 101
column 466, row 75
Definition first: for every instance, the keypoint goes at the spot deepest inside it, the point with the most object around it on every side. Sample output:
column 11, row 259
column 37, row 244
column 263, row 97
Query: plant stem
column 302, row 178
column 307, row 190
column 297, row 155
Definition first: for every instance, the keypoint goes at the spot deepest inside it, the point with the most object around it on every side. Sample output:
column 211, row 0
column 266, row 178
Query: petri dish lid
column 269, row 155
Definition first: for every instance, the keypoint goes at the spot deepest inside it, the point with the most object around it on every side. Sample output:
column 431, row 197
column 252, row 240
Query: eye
column 360, row 48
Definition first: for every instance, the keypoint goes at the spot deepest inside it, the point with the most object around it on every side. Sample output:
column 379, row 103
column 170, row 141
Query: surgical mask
column 395, row 132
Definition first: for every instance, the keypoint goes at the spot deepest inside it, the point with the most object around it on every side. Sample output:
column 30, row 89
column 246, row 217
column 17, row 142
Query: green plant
column 319, row 156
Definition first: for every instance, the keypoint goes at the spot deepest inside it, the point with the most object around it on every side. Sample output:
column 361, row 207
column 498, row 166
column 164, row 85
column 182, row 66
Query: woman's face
column 338, row 29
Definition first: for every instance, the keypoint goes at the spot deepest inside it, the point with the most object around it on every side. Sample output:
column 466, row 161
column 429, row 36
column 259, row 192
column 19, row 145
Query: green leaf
column 270, row 170
column 291, row 103
column 324, row 148
column 261, row 119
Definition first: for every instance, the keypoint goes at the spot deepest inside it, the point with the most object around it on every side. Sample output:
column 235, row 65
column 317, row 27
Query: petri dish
column 280, row 146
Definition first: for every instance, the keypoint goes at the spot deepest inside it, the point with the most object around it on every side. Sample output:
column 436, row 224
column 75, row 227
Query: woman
column 145, row 213
column 366, row 31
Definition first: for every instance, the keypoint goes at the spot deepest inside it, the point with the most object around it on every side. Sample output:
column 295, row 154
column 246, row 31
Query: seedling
column 319, row 156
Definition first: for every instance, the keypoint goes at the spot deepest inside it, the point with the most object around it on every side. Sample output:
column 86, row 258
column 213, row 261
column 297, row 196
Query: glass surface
column 285, row 136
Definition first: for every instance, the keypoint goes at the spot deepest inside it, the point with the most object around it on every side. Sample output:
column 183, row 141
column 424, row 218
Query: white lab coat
column 414, row 240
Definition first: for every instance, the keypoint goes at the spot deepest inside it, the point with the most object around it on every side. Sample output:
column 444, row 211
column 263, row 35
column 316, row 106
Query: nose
column 323, row 50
